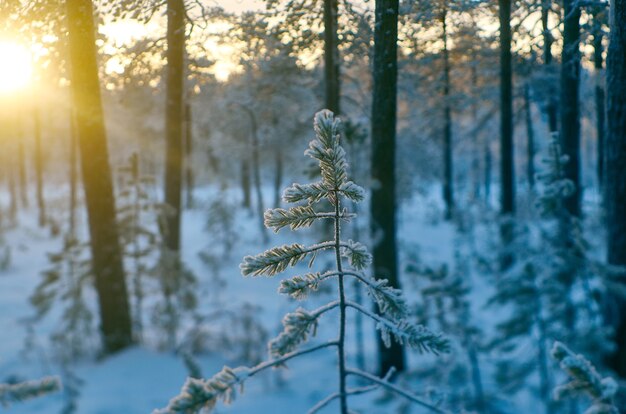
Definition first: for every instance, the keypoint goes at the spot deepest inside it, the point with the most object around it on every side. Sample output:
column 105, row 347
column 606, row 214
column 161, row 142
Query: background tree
column 383, row 202
column 615, row 162
column 96, row 172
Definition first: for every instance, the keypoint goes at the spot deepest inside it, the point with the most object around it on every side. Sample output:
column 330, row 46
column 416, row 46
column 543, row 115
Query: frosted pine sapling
column 585, row 380
column 392, row 321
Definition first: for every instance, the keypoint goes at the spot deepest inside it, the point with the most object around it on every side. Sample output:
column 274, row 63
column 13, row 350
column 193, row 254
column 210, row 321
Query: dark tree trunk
column 507, row 159
column 570, row 119
column 615, row 168
column 448, row 190
column 189, row 176
column 331, row 55
column 73, row 172
column 278, row 177
column 106, row 254
column 507, row 171
column 383, row 201
column 245, row 184
column 174, row 120
column 39, row 168
column 530, row 144
column 598, row 62
column 21, row 158
column 551, row 107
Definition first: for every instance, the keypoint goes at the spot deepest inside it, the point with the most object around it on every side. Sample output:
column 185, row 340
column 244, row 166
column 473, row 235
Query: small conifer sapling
column 392, row 319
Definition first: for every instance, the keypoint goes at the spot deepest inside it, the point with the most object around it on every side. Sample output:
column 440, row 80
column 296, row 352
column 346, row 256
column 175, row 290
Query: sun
column 16, row 69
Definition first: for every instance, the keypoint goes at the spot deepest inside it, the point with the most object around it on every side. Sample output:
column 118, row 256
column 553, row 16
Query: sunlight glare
column 17, row 68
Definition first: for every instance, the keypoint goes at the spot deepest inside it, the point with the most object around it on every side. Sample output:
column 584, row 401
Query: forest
column 313, row 206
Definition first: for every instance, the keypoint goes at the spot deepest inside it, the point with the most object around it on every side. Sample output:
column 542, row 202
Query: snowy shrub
column 21, row 391
column 585, row 380
column 392, row 321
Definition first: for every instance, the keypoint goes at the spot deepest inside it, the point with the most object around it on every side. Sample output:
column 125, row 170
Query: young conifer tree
column 392, row 319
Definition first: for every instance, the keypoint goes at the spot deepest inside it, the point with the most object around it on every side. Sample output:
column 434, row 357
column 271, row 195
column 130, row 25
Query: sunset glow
column 17, row 69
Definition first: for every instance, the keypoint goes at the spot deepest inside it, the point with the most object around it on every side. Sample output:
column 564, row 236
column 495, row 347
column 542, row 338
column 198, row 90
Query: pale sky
column 240, row 5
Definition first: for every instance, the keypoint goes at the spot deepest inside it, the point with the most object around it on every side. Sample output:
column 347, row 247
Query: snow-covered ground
column 141, row 379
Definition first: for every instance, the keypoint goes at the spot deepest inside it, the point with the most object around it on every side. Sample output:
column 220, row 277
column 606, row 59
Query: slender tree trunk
column 73, row 172
column 106, row 253
column 448, row 191
column 598, row 62
column 245, row 184
column 570, row 119
column 256, row 173
column 189, row 176
column 331, row 55
column 530, row 144
column 615, row 168
column 507, row 159
column 479, row 394
column 551, row 107
column 21, row 158
column 383, row 199
column 174, row 118
column 39, row 168
column 278, row 177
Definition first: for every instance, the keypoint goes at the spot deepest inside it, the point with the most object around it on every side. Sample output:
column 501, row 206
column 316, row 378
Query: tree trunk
column 615, row 170
column 331, row 56
column 106, row 254
column 245, row 184
column 175, row 56
column 598, row 62
column 570, row 119
column 551, row 107
column 383, row 198
column 189, row 176
column 507, row 159
column 448, row 192
column 39, row 168
column 73, row 172
column 21, row 158
column 530, row 144
column 278, row 177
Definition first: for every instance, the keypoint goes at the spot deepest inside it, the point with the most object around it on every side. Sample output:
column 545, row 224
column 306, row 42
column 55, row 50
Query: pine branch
column 311, row 193
column 357, row 254
column 386, row 384
column 296, row 217
column 10, row 393
column 299, row 287
column 584, row 380
column 416, row 336
column 298, row 326
column 277, row 259
column 197, row 395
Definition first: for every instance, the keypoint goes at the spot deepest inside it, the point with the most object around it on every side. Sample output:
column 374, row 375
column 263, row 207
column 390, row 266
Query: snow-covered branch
column 416, row 336
column 10, row 393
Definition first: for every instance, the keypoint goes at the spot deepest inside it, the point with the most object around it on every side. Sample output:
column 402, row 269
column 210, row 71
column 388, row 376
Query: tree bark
column 615, row 168
column 383, row 198
column 507, row 159
column 551, row 107
column 530, row 134
column 331, row 56
column 106, row 254
column 39, row 168
column 598, row 63
column 189, row 176
column 448, row 186
column 507, row 171
column 570, row 118
column 175, row 56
